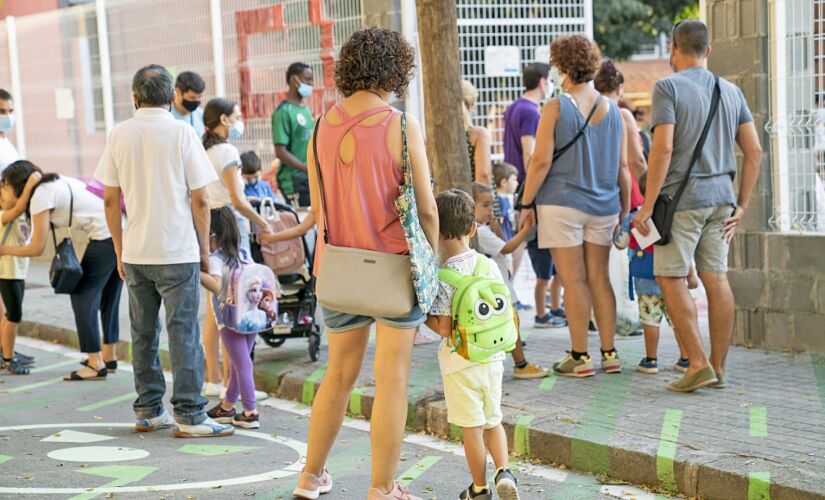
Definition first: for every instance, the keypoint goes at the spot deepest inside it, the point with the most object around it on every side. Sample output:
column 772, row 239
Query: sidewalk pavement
column 762, row 437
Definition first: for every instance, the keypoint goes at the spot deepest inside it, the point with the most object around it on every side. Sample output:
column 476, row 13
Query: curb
column 697, row 475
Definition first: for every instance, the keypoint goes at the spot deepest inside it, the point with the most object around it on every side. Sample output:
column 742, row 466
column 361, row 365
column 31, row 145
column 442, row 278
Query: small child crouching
column 472, row 390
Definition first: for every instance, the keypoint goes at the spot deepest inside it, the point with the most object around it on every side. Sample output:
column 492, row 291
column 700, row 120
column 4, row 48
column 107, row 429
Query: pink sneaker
column 398, row 492
column 311, row 486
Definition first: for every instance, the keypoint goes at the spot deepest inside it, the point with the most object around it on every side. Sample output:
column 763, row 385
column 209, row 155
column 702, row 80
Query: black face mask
column 191, row 105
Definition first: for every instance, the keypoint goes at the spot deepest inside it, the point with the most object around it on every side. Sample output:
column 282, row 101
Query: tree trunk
column 441, row 72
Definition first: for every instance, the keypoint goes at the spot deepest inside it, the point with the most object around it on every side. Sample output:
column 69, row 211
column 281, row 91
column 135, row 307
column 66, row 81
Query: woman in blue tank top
column 578, row 185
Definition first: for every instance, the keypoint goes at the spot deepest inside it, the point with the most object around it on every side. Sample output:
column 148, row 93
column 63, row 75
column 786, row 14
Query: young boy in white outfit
column 472, row 390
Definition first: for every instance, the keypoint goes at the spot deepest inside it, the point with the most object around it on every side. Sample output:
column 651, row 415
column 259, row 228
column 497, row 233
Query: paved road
column 62, row 440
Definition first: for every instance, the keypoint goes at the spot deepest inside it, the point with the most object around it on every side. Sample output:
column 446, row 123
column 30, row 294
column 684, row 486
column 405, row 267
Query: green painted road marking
column 5, row 458
column 759, row 421
column 667, row 450
column 77, row 391
column 759, row 486
column 35, row 385
column 521, row 437
column 53, row 366
column 107, row 402
column 589, row 448
column 308, row 395
column 209, row 450
column 355, row 401
column 456, row 433
column 548, row 382
column 122, row 475
column 818, row 361
column 418, row 469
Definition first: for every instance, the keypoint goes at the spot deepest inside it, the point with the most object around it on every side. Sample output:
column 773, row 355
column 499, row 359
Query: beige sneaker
column 569, row 367
column 611, row 362
column 530, row 371
column 311, row 486
column 398, row 492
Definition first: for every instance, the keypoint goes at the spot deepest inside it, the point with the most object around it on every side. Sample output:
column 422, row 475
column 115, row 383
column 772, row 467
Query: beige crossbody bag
column 357, row 281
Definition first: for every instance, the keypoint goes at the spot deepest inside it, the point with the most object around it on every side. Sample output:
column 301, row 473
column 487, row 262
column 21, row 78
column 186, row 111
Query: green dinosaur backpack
column 484, row 321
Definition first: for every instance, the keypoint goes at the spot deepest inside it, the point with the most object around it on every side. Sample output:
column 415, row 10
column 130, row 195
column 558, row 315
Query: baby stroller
column 292, row 263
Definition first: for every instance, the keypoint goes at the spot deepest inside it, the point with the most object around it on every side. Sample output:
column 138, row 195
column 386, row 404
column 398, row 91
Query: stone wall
column 778, row 279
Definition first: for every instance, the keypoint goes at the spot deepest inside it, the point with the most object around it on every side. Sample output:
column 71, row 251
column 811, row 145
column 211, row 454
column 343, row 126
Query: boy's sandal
column 74, row 377
column 110, row 365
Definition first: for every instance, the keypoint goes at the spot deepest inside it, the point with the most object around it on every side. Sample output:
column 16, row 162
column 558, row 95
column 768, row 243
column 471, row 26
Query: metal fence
column 798, row 114
column 498, row 38
column 71, row 84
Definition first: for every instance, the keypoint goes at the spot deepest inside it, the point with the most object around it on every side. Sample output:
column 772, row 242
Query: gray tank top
column 586, row 176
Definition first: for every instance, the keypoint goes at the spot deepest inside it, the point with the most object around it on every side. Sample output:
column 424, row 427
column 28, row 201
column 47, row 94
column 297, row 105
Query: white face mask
column 557, row 78
column 6, row 122
column 236, row 130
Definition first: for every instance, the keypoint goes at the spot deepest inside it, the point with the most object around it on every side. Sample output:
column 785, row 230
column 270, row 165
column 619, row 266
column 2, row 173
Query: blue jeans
column 178, row 287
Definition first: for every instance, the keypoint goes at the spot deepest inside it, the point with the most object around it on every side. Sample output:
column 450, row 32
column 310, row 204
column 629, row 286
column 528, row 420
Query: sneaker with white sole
column 682, row 365
column 549, row 321
column 569, row 367
column 207, row 428
column 246, row 420
column 506, row 485
column 311, row 486
column 611, row 362
column 162, row 421
column 648, row 365
column 221, row 416
column 530, row 371
column 261, row 395
column 211, row 390
column 398, row 492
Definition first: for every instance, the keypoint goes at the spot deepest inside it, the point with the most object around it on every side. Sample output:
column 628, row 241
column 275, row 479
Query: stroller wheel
column 314, row 346
column 274, row 341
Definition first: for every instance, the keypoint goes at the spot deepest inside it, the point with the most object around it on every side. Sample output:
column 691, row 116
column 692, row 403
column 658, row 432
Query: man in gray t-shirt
column 709, row 211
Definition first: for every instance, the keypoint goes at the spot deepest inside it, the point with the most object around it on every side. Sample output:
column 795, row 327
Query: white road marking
column 70, row 436
column 97, row 454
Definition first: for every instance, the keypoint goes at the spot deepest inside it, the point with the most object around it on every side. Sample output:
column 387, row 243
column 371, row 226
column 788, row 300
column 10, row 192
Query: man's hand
column 120, row 269
column 732, row 223
column 205, row 263
column 527, row 217
column 639, row 220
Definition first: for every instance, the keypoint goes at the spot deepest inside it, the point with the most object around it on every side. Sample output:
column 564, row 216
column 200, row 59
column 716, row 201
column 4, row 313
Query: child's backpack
column 249, row 301
column 484, row 320
column 283, row 257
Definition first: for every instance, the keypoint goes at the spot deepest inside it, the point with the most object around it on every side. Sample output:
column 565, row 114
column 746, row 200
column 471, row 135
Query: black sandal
column 73, row 377
column 13, row 366
column 110, row 365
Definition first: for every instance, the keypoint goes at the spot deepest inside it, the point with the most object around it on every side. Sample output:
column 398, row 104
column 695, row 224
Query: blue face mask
column 252, row 183
column 6, row 123
column 304, row 90
column 236, row 131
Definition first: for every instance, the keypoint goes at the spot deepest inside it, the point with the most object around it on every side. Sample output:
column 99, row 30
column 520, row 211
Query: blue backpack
column 248, row 303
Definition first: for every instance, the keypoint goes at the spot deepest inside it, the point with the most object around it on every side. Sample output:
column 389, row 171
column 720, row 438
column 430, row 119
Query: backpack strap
column 450, row 277
column 482, row 266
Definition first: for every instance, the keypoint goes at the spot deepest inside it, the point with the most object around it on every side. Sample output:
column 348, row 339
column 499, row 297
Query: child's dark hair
column 479, row 189
column 250, row 163
column 215, row 108
column 456, row 214
column 17, row 174
column 643, row 182
column 502, row 171
column 224, row 228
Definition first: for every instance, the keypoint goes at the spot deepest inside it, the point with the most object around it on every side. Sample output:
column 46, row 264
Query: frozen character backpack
column 484, row 321
column 249, row 303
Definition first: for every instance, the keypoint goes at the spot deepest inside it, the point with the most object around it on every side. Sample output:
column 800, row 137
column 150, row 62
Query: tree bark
column 441, row 77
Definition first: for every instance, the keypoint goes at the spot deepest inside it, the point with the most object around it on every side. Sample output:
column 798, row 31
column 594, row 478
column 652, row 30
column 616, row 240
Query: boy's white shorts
column 473, row 395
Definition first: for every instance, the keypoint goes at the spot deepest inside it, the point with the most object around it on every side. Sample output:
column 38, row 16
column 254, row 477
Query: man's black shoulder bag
column 665, row 206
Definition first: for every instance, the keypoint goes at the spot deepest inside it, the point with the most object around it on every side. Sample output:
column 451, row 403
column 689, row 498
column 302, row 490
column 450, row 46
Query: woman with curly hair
column 578, row 186
column 359, row 150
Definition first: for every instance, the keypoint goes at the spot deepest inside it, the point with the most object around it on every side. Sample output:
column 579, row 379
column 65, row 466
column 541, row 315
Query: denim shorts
column 541, row 259
column 338, row 322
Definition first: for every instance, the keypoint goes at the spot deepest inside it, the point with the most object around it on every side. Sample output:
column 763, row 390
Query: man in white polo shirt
column 162, row 169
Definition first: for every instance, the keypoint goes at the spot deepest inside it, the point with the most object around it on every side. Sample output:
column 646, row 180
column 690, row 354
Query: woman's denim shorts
column 339, row 322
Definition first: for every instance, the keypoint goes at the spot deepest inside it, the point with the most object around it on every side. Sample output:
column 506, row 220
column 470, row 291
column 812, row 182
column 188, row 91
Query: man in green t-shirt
column 291, row 129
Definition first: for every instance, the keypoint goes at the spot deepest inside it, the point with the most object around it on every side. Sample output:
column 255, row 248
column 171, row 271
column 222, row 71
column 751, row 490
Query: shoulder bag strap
column 714, row 105
column 320, row 180
column 557, row 153
column 405, row 154
column 71, row 205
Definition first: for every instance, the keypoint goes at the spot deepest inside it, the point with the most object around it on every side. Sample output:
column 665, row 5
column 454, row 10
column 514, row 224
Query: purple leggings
column 239, row 348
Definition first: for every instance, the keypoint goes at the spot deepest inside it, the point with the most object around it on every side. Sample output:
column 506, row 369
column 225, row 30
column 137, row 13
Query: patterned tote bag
column 424, row 265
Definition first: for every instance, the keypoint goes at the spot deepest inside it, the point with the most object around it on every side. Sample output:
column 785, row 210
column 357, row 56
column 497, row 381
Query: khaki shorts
column 473, row 395
column 696, row 235
column 564, row 227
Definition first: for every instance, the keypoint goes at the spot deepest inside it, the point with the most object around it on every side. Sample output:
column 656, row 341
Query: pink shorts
column 564, row 227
